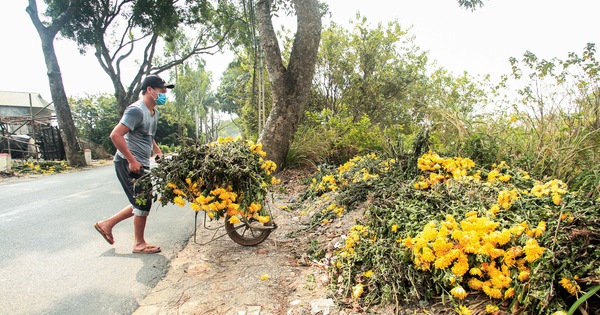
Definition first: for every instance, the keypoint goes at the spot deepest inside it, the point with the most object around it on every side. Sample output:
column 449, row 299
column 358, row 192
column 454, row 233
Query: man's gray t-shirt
column 142, row 128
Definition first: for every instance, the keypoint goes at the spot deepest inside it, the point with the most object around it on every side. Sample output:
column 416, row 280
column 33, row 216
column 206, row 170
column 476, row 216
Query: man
column 133, row 137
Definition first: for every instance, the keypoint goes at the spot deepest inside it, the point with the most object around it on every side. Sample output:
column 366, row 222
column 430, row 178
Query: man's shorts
column 126, row 178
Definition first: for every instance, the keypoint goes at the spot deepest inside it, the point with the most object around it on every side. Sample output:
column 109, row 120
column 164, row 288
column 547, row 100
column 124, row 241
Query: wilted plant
column 225, row 177
column 459, row 231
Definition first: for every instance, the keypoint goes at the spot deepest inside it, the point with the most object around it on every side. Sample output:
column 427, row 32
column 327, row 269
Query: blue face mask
column 161, row 99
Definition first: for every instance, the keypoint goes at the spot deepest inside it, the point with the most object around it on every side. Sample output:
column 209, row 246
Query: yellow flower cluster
column 491, row 308
column 450, row 244
column 34, row 167
column 507, row 197
column 339, row 211
column 570, row 284
column 353, row 171
column 441, row 169
column 554, row 188
column 46, row 169
column 356, row 234
column 496, row 173
column 217, row 202
column 328, row 182
column 463, row 310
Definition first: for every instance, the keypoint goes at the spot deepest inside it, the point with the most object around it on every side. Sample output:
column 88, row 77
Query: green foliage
column 168, row 149
column 238, row 93
column 191, row 110
column 470, row 4
column 325, row 138
column 373, row 92
column 372, row 71
column 315, row 252
column 170, row 127
column 95, row 117
column 231, row 97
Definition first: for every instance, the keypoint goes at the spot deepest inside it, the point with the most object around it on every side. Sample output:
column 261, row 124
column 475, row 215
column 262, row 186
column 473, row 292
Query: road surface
column 52, row 260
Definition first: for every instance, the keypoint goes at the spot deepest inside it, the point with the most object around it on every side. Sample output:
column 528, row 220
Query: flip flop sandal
column 152, row 249
column 107, row 237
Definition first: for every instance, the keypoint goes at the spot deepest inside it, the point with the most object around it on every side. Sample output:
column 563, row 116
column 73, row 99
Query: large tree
column 290, row 85
column 47, row 33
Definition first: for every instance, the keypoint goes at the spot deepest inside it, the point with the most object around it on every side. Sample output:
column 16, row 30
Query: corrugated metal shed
column 18, row 109
column 23, row 99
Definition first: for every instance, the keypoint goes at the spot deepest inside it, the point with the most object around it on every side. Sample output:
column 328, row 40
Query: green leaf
column 583, row 299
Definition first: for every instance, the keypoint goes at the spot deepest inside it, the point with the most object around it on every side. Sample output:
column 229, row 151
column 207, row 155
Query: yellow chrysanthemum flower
column 556, row 198
column 507, row 197
column 475, row 284
column 490, row 308
column 532, row 250
column 476, row 272
column 234, row 220
column 179, row 201
column 504, row 178
column 570, row 285
column 357, row 291
column 523, row 276
column 492, row 292
column 463, row 310
column 262, row 219
column 458, row 292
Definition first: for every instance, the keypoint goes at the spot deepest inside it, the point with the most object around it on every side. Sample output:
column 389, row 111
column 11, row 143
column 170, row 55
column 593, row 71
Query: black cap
column 153, row 80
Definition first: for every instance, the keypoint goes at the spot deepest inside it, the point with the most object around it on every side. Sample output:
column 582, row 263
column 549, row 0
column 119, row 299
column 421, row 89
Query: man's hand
column 135, row 166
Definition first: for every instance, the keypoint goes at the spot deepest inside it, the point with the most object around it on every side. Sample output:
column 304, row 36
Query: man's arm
column 156, row 149
column 118, row 138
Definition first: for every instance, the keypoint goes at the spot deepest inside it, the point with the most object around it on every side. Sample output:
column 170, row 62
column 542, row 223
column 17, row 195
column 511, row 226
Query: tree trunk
column 68, row 132
column 291, row 86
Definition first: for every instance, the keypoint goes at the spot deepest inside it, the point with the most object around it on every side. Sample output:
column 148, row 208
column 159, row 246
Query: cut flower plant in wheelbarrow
column 227, row 179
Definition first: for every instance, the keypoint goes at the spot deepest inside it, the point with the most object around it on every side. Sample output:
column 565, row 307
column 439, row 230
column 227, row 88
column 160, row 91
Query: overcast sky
column 479, row 42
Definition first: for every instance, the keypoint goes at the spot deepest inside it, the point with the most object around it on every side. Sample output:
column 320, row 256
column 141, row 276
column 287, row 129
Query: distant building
column 20, row 112
column 28, row 127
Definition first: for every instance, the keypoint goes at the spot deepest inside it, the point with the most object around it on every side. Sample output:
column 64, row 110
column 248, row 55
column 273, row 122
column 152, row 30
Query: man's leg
column 139, row 227
column 108, row 224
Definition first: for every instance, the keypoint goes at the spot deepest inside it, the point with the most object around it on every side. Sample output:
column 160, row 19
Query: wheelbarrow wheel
column 246, row 235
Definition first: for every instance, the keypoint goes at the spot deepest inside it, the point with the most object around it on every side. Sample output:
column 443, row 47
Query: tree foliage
column 470, row 4
column 127, row 34
column 95, row 117
column 191, row 94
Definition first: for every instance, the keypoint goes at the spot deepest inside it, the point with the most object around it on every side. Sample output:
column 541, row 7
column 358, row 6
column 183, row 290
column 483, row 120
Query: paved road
column 52, row 260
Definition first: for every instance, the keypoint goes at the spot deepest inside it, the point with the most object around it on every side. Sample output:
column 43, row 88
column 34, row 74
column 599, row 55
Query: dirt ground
column 274, row 277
